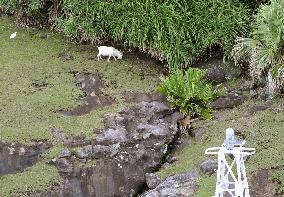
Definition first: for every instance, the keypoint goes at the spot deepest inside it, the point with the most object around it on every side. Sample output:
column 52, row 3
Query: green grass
column 263, row 131
column 28, row 113
column 40, row 177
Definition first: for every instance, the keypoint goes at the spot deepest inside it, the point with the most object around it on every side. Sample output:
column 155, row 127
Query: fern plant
column 265, row 49
column 188, row 91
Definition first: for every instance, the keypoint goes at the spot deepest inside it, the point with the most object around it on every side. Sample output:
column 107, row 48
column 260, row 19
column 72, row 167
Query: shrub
column 264, row 50
column 188, row 91
column 177, row 31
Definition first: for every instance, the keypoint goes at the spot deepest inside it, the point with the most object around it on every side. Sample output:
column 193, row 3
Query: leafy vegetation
column 264, row 50
column 176, row 31
column 188, row 91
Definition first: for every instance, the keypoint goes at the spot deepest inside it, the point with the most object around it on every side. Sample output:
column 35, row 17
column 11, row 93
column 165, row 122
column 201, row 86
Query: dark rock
column 152, row 180
column 15, row 157
column 233, row 99
column 258, row 108
column 114, row 120
column 209, row 166
column 84, row 152
column 65, row 153
column 133, row 143
column 63, row 165
column 181, row 185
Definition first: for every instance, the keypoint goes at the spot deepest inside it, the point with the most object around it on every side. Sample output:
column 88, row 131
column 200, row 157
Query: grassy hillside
column 35, row 84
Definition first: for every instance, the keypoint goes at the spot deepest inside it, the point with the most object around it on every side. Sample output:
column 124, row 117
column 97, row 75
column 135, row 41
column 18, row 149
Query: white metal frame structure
column 228, row 183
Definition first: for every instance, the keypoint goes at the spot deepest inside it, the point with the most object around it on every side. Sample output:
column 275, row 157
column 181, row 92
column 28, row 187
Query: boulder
column 209, row 166
column 180, row 185
column 84, row 152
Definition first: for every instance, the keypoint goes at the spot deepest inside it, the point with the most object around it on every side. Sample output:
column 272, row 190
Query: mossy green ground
column 263, row 131
column 28, row 113
column 40, row 177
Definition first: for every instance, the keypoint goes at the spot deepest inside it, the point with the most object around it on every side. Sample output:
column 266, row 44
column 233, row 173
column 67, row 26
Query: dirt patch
column 91, row 84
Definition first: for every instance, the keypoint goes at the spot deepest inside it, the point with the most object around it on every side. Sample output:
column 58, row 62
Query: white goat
column 110, row 52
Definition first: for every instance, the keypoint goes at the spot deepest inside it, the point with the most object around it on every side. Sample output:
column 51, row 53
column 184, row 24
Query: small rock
column 63, row 165
column 152, row 180
column 233, row 99
column 84, row 152
column 209, row 166
column 65, row 153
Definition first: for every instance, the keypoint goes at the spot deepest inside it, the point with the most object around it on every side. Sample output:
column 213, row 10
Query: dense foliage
column 177, row 31
column 264, row 50
column 188, row 91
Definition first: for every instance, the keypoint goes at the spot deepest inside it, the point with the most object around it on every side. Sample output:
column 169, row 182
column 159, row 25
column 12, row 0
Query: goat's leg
column 114, row 58
column 99, row 56
column 108, row 58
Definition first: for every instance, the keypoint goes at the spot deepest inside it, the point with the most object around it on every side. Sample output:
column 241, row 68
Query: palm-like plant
column 264, row 50
column 189, row 92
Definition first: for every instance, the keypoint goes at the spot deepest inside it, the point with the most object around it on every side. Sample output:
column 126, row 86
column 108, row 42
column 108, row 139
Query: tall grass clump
column 177, row 31
column 264, row 50
column 189, row 92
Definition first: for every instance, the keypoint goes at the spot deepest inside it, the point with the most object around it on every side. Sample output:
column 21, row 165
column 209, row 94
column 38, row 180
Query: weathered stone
column 65, row 153
column 63, row 165
column 152, row 130
column 112, row 135
column 100, row 151
column 84, row 152
column 114, row 120
column 233, row 99
column 209, row 166
column 152, row 180
column 181, row 185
